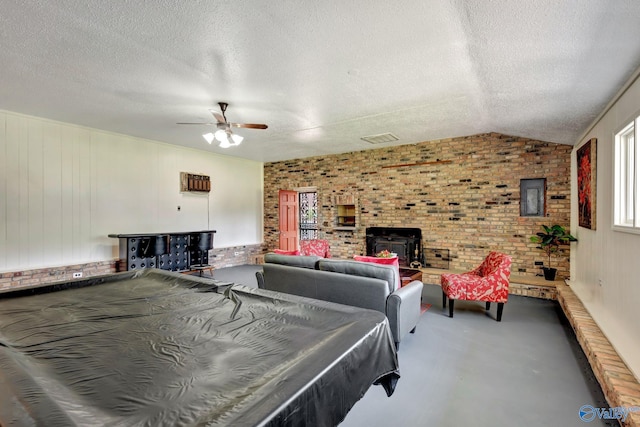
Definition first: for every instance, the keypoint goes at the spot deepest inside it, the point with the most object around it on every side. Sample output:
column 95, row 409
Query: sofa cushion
column 292, row 260
column 358, row 291
column 377, row 260
column 392, row 261
column 283, row 252
column 355, row 268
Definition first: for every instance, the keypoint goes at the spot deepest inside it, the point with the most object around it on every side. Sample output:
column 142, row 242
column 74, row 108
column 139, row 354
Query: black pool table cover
column 162, row 349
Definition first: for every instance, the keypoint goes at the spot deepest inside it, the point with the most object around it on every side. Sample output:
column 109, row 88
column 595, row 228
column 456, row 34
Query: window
column 626, row 214
column 308, row 202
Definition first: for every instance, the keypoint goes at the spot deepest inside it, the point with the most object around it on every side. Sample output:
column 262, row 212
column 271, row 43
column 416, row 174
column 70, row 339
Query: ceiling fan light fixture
column 208, row 137
column 225, row 144
column 221, row 135
column 237, row 139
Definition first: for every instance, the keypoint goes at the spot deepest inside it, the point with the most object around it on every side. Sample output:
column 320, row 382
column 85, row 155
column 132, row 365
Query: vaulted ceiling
column 320, row 74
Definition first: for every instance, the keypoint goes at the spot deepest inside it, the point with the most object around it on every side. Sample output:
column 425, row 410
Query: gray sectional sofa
column 354, row 283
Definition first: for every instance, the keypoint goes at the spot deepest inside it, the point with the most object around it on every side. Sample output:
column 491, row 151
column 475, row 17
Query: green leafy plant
column 551, row 239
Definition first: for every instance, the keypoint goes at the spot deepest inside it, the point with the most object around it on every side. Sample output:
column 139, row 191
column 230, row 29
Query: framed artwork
column 586, row 167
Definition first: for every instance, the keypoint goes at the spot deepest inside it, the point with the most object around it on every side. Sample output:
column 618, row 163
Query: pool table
column 152, row 347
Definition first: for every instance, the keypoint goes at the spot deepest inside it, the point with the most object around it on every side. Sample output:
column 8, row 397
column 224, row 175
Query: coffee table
column 408, row 275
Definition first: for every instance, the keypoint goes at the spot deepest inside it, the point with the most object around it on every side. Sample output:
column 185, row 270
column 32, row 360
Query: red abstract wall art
column 586, row 167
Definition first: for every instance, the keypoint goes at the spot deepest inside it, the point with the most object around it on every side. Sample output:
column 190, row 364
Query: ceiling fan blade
column 206, row 124
column 219, row 117
column 248, row 125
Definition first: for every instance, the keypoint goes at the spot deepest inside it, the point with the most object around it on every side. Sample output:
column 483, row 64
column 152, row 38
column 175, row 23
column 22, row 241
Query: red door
column 288, row 220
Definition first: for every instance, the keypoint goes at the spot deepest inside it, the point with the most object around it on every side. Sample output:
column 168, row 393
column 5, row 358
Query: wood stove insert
column 406, row 242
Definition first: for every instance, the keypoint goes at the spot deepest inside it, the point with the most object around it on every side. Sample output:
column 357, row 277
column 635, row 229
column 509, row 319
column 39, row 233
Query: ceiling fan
column 224, row 134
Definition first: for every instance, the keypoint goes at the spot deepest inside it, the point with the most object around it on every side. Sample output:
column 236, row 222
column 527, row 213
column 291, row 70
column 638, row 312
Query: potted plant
column 549, row 241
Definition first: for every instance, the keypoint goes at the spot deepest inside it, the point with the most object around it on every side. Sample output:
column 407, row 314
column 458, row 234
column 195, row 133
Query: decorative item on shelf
column 416, row 263
column 549, row 241
column 194, row 182
column 386, row 254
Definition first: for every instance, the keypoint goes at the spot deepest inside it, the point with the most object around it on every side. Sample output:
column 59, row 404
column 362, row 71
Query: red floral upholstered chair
column 489, row 282
column 317, row 247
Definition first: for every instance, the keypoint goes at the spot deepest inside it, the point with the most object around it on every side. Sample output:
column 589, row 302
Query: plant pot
column 549, row 273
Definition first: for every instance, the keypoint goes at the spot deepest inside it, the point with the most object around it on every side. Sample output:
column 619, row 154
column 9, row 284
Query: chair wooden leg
column 450, row 307
column 500, row 307
column 444, row 300
column 487, row 305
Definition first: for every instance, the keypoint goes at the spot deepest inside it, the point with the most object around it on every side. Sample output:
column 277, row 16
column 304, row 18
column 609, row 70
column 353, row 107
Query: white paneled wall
column 605, row 267
column 65, row 188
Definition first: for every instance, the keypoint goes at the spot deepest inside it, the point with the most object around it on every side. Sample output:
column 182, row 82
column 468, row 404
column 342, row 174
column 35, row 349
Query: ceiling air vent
column 379, row 139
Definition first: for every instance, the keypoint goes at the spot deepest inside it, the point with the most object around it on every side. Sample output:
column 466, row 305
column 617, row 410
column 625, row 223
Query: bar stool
column 200, row 243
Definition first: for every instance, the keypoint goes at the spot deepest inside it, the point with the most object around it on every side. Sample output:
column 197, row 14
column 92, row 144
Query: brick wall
column 466, row 199
column 41, row 276
column 236, row 255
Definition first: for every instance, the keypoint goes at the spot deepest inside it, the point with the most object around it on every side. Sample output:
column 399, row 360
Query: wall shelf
column 345, row 213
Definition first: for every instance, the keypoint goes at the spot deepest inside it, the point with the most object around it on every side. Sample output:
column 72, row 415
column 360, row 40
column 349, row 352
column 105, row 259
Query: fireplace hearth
column 406, row 242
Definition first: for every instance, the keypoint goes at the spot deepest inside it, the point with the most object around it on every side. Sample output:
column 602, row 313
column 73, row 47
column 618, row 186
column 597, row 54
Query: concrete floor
column 470, row 370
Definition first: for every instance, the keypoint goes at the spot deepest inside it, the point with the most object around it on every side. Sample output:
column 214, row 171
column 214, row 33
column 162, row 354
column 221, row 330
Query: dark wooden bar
column 175, row 251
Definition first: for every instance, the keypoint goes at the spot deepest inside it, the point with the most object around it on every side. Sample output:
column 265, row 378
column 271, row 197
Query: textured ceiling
column 320, row 74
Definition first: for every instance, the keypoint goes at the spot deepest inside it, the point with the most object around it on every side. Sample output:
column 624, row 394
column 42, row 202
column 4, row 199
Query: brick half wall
column 42, row 276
